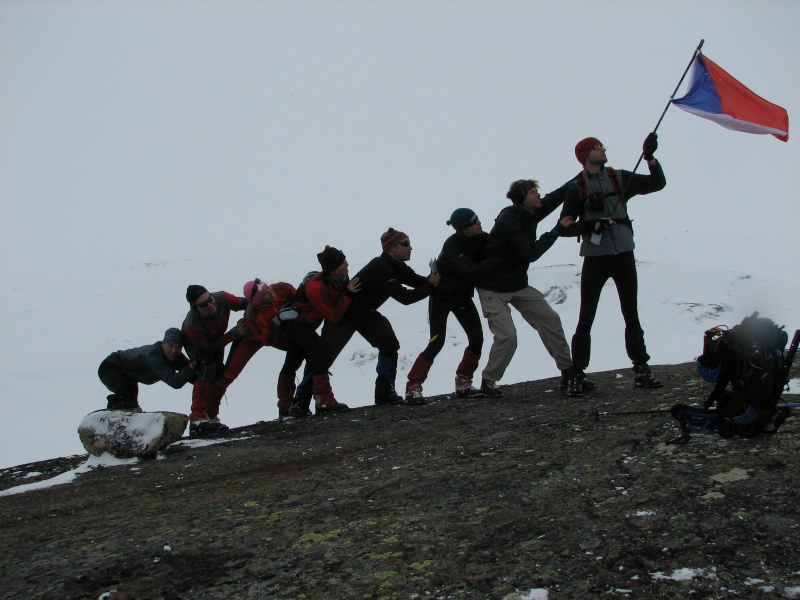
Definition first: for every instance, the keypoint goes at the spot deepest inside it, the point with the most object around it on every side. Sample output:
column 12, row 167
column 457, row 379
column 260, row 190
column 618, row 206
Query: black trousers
column 467, row 316
column 120, row 384
column 304, row 344
column 621, row 269
column 373, row 327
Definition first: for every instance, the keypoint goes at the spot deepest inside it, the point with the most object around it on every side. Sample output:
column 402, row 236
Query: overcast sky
column 194, row 134
column 157, row 129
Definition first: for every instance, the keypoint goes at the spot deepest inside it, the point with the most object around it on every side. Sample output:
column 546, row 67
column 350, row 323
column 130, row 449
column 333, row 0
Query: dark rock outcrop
column 470, row 499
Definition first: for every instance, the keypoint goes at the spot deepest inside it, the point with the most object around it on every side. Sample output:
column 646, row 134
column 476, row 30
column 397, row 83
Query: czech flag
column 715, row 95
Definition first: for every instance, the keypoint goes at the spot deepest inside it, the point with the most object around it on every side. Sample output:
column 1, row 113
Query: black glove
column 241, row 330
column 650, row 146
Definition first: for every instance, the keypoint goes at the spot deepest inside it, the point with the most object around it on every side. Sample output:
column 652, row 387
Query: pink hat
column 254, row 291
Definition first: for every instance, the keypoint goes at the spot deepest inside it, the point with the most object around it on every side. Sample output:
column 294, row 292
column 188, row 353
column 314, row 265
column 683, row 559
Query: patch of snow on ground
column 686, row 574
column 104, row 460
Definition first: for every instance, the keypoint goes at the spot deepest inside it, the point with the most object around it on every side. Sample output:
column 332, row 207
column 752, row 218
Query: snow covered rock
column 127, row 434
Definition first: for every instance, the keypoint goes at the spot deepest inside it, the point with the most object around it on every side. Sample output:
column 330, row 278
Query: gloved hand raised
column 650, row 145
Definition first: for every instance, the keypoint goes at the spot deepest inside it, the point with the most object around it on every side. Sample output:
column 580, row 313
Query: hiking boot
column 414, row 398
column 574, row 389
column 578, row 384
column 566, row 376
column 586, row 385
column 210, row 426
column 385, row 394
column 119, row 403
column 336, row 407
column 286, row 392
column 299, row 409
column 490, row 389
column 643, row 378
column 464, row 388
column 389, row 400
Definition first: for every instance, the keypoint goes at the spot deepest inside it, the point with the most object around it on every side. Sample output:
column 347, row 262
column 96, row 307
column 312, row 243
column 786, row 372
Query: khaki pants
column 539, row 315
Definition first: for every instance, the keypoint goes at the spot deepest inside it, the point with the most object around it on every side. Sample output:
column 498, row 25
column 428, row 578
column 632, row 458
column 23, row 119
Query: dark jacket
column 209, row 333
column 384, row 277
column 148, row 364
column 462, row 263
column 617, row 237
column 514, row 238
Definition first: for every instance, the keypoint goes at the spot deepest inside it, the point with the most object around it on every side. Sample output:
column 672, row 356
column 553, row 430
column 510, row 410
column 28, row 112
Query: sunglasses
column 595, row 147
column 474, row 221
column 406, row 243
column 254, row 289
column 206, row 303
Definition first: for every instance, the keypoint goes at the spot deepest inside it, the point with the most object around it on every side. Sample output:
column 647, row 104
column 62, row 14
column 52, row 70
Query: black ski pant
column 373, row 327
column 466, row 314
column 304, row 344
column 621, row 269
column 119, row 383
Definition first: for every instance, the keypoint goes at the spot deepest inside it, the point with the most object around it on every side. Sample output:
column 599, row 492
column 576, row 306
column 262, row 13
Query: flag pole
column 661, row 118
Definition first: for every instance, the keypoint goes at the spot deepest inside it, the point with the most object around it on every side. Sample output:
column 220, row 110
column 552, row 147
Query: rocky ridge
column 472, row 499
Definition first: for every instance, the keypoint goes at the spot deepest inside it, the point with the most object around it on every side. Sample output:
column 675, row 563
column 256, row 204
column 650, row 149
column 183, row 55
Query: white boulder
column 127, row 434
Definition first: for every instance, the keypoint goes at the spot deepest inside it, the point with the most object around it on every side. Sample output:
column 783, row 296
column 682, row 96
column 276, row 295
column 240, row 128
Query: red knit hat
column 585, row 146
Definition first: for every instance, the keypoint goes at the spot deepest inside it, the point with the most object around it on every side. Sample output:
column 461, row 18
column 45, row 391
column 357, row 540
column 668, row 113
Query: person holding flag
column 597, row 200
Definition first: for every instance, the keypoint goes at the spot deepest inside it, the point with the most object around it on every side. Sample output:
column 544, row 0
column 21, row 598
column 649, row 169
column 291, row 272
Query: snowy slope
column 66, row 321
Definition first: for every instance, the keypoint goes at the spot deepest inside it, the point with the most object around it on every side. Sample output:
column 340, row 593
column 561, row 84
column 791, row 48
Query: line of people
column 495, row 264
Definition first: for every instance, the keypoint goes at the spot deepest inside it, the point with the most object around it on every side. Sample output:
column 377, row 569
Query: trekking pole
column 597, row 413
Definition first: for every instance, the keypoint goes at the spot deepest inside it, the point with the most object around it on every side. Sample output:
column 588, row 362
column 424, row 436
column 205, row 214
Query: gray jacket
column 617, row 237
column 148, row 364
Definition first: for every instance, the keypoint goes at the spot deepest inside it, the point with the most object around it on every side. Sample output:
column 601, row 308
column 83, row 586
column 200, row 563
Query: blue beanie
column 460, row 218
column 173, row 334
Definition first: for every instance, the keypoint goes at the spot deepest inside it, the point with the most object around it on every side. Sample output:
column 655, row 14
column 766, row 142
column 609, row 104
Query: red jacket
column 259, row 318
column 325, row 301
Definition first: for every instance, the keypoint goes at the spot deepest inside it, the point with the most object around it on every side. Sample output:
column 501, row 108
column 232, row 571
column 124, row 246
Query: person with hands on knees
column 122, row 371
column 598, row 200
column 204, row 330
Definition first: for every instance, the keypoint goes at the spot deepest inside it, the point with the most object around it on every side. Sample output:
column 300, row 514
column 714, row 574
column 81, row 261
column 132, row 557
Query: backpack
column 300, row 294
column 289, row 312
column 749, row 366
column 586, row 199
column 583, row 187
